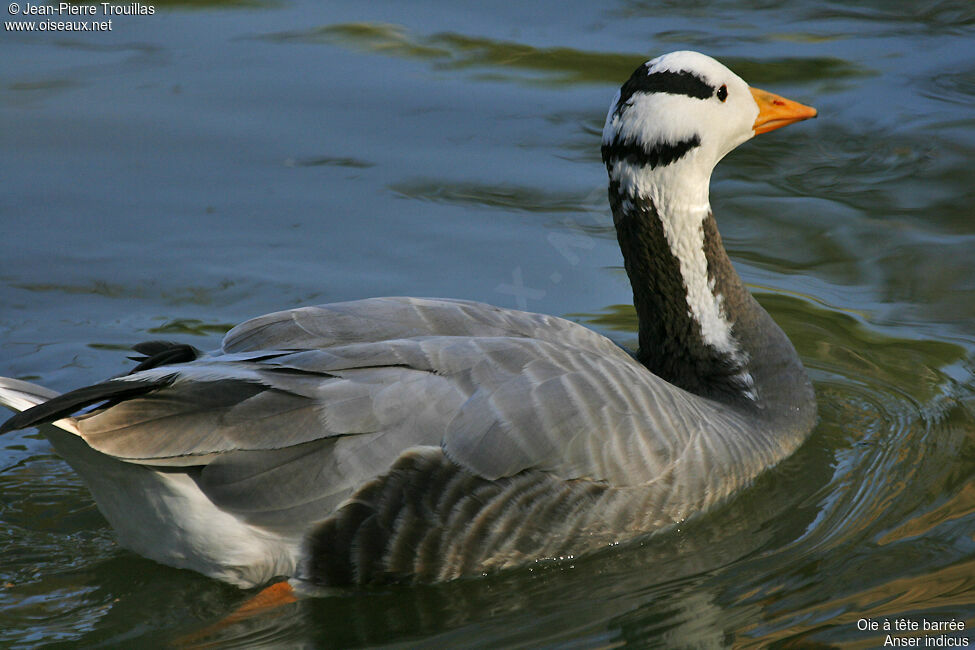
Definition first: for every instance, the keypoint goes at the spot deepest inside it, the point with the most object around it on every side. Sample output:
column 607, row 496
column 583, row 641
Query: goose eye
column 722, row 93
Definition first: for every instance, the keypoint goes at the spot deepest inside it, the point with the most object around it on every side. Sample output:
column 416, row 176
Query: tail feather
column 57, row 407
column 21, row 396
column 37, row 405
column 162, row 353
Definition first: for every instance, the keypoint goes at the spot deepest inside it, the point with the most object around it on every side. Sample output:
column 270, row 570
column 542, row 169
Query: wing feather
column 385, row 319
column 500, row 391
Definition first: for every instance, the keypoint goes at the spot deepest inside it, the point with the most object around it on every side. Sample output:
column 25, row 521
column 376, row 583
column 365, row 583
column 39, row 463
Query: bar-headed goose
column 417, row 439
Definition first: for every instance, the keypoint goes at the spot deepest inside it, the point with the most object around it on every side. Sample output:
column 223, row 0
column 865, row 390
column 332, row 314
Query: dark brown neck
column 759, row 370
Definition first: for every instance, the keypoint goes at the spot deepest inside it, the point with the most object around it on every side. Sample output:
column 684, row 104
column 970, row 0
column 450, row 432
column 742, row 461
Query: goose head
column 675, row 118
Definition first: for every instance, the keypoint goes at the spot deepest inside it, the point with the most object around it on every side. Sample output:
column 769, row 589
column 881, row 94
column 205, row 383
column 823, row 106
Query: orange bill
column 775, row 112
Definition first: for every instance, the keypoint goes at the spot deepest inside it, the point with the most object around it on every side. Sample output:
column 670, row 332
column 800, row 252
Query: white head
column 676, row 117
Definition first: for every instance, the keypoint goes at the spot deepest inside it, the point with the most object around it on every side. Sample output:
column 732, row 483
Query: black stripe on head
column 634, row 153
column 666, row 81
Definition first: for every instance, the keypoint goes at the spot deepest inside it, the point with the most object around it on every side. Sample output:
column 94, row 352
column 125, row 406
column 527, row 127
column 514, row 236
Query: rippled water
column 220, row 160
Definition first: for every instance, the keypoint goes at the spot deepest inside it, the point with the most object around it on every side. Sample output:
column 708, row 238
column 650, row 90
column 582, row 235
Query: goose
column 417, row 440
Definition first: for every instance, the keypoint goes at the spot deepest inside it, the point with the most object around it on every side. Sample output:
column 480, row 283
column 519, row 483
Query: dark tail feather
column 155, row 354
column 162, row 353
column 71, row 402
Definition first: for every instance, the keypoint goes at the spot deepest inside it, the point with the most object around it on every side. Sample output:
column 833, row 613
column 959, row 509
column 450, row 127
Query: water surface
column 219, row 160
